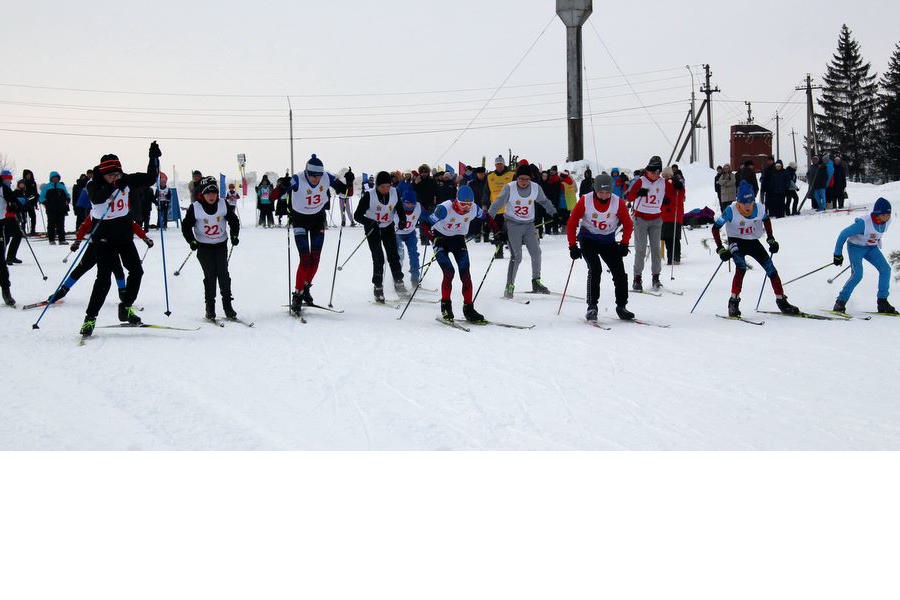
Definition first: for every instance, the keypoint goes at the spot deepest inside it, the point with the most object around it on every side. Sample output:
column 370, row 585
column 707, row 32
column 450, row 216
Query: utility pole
column 707, row 89
column 291, row 121
column 812, row 138
column 574, row 14
column 794, row 139
column 693, row 116
column 749, row 113
column 777, row 136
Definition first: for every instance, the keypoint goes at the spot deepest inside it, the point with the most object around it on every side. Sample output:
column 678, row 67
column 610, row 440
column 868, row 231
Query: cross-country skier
column 449, row 225
column 745, row 221
column 162, row 198
column 518, row 199
column 308, row 206
column 597, row 217
column 114, row 235
column 647, row 192
column 346, row 210
column 8, row 201
column 89, row 260
column 376, row 210
column 406, row 235
column 204, row 229
column 863, row 240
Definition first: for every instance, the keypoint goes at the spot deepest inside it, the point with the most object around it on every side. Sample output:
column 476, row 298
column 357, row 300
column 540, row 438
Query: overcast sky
column 358, row 69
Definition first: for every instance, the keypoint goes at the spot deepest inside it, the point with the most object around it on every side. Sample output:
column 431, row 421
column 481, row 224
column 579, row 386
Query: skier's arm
column 359, row 215
column 234, row 223
column 439, row 213
column 401, row 217
column 627, row 223
column 719, row 224
column 138, row 230
column 336, row 184
column 767, row 225
column 632, row 193
column 545, row 202
column 500, row 201
column 857, row 228
column 187, row 226
column 574, row 219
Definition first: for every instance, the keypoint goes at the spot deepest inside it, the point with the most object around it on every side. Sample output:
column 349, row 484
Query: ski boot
column 87, row 328
column 656, row 283
column 472, row 315
column 400, row 288
column 508, row 292
column 127, row 314
column 13, row 261
column 638, row 284
column 230, row 313
column 538, row 287
column 58, row 294
column 734, row 307
column 623, row 313
column 7, row 297
column 499, row 252
column 379, row 294
column 211, row 310
column 786, row 307
column 840, row 306
column 884, row 307
column 447, row 310
column 296, row 303
column 591, row 314
column 307, row 297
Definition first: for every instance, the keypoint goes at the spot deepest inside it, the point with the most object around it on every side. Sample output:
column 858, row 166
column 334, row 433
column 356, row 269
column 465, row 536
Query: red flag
column 244, row 185
column 462, row 168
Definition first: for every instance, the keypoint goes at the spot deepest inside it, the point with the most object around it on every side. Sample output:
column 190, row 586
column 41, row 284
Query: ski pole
column 565, row 289
column 337, row 257
column 186, row 258
column 490, row 264
column 833, row 279
column 672, row 258
column 341, row 268
column 43, row 222
column 289, row 231
column 162, row 241
column 703, row 293
column 762, row 289
column 145, row 254
column 87, row 242
column 418, row 285
column 68, row 256
column 32, row 251
column 808, row 274
column 230, row 252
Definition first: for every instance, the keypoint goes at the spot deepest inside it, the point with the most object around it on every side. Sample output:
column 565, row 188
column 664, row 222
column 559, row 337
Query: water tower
column 574, row 14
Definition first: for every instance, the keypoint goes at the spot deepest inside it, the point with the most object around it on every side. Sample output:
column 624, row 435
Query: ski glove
column 194, row 244
column 642, row 193
column 575, row 252
column 235, row 241
column 155, row 152
column 149, row 242
column 724, row 253
column 838, row 260
column 499, row 238
column 75, row 245
column 773, row 245
column 624, row 250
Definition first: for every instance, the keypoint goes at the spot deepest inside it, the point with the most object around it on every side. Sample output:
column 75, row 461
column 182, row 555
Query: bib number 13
column 314, row 200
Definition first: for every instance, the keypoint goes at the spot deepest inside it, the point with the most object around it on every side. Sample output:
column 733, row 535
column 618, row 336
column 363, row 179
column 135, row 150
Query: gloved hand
column 155, row 152
column 75, row 245
column 194, row 244
column 838, row 260
column 500, row 237
column 642, row 193
column 724, row 253
column 574, row 252
column 235, row 241
column 624, row 250
column 149, row 242
column 677, row 183
column 773, row 245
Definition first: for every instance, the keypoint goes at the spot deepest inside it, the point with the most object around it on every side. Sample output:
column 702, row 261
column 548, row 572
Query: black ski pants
column 4, row 272
column 56, row 225
column 595, row 252
column 214, row 261
column 108, row 253
column 671, row 236
column 13, row 235
column 384, row 237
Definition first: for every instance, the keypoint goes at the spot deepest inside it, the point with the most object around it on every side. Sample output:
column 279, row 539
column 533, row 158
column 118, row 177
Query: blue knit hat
column 315, row 166
column 882, row 207
column 745, row 193
column 465, row 194
column 409, row 197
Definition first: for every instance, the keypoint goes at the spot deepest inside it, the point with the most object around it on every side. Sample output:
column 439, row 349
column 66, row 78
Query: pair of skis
column 221, row 322
column 456, row 325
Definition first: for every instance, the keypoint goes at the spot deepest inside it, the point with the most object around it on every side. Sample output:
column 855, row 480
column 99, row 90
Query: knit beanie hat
column 382, row 178
column 109, row 163
column 882, row 207
column 523, row 171
column 315, row 166
column 603, row 183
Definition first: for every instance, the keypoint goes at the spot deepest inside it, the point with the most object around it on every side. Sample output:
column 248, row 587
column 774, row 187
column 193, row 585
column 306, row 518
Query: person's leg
column 132, row 263
column 316, row 243
column 105, row 256
column 389, row 241
column 755, row 250
column 374, row 241
column 856, row 254
column 32, row 216
column 443, row 260
column 667, row 232
column 207, row 259
column 612, row 256
column 678, row 243
column 223, row 276
column 412, row 249
column 820, row 198
column 515, row 236
column 4, row 272
column 840, row 199
column 14, row 235
column 461, row 254
column 654, row 231
column 640, row 245
column 530, row 237
column 590, row 251
column 877, row 260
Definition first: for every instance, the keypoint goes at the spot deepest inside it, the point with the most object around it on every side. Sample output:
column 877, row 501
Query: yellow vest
column 496, row 183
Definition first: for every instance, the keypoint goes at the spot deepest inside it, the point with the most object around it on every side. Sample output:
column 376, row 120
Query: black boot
column 839, row 306
column 623, row 313
column 472, row 315
column 656, row 282
column 87, row 328
column 7, row 297
column 884, row 306
column 230, row 313
column 638, row 284
column 734, row 307
column 211, row 309
column 127, row 314
column 296, row 303
column 379, row 294
column 786, row 307
column 538, row 287
column 307, row 296
column 591, row 314
column 400, row 288
column 447, row 310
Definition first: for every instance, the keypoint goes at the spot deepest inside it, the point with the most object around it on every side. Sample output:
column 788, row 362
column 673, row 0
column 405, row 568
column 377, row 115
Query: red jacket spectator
column 673, row 205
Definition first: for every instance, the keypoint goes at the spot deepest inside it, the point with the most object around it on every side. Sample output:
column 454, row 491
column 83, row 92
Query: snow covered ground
column 363, row 380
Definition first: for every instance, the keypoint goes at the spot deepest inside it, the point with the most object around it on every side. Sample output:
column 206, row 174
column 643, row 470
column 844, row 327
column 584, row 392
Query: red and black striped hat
column 109, row 163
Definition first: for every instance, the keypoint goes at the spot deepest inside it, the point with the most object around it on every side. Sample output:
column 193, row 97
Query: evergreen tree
column 847, row 125
column 889, row 119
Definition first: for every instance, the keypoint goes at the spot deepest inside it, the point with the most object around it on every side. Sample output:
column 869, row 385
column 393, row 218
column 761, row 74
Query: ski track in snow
column 364, row 380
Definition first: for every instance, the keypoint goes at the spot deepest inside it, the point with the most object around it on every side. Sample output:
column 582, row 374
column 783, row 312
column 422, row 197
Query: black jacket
column 100, row 192
column 425, row 192
column 363, row 205
column 840, row 179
